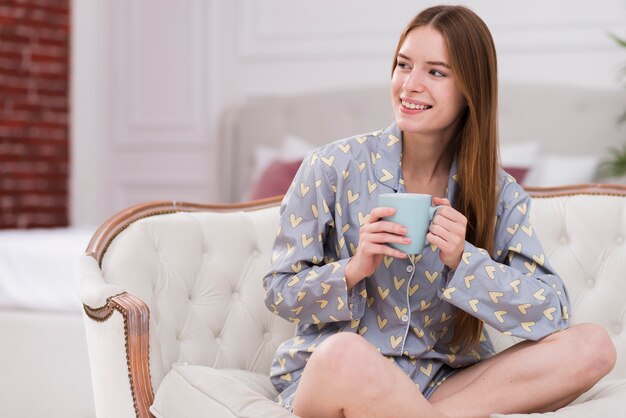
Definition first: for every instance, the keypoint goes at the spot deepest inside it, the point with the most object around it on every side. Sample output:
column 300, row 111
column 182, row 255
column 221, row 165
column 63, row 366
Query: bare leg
column 530, row 376
column 347, row 377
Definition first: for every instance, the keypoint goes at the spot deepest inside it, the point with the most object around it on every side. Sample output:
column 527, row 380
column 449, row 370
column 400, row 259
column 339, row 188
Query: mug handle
column 431, row 214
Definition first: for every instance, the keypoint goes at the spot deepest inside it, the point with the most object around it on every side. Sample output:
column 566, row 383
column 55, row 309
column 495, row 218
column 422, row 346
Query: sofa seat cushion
column 189, row 391
column 605, row 399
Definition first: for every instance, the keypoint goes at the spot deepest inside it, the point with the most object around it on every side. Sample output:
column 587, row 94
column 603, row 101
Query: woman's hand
column 373, row 236
column 447, row 231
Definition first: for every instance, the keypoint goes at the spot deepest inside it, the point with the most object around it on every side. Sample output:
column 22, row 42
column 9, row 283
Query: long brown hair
column 472, row 56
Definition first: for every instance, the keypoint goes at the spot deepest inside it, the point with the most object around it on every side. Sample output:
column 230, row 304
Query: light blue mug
column 415, row 211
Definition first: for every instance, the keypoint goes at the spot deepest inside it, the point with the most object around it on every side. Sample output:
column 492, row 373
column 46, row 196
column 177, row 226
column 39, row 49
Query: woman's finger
column 378, row 213
column 376, row 248
column 444, row 246
column 441, row 201
column 385, row 226
column 453, row 226
column 450, row 214
column 383, row 238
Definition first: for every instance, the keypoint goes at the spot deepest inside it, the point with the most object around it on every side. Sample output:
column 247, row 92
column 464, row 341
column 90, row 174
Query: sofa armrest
column 117, row 337
column 93, row 291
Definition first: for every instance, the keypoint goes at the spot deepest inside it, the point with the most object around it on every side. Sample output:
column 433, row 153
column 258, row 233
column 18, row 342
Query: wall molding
column 266, row 32
column 142, row 116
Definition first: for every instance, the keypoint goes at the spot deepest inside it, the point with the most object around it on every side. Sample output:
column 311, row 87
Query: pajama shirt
column 406, row 308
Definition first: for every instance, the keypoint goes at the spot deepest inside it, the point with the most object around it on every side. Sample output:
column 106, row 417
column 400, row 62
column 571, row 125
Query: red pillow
column 518, row 173
column 275, row 179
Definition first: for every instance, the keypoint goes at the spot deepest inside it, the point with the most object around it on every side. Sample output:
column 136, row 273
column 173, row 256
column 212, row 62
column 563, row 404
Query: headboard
column 563, row 119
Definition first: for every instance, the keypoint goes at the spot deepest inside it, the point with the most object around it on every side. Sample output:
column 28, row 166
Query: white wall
column 286, row 46
column 151, row 77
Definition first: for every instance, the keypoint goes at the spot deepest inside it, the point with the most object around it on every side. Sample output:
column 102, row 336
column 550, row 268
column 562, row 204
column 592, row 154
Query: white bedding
column 37, row 268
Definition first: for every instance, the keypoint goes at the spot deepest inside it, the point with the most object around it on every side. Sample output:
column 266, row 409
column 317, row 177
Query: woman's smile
column 413, row 106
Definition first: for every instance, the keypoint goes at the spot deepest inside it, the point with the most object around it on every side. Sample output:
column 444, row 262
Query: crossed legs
column 347, row 377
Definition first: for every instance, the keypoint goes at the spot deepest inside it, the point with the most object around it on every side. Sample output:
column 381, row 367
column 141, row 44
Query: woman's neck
column 426, row 163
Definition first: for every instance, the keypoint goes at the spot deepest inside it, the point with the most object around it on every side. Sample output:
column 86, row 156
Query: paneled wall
column 152, row 78
column 143, row 133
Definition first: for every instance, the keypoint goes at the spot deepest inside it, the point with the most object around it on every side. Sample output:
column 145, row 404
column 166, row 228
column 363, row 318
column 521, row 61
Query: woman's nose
column 413, row 82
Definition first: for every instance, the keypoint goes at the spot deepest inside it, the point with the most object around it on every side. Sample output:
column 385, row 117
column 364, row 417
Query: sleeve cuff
column 356, row 300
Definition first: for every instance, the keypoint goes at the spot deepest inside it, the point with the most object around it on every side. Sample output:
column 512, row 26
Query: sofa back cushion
column 584, row 237
column 201, row 276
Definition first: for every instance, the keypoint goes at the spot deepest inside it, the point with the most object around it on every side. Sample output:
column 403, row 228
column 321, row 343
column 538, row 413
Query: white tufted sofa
column 177, row 327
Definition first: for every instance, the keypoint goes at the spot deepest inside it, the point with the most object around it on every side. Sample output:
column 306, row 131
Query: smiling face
column 425, row 98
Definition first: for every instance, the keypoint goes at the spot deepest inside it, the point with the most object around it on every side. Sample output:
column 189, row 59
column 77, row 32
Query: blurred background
column 109, row 103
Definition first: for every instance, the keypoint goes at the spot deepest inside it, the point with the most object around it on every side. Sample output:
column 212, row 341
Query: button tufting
column 591, row 282
column 617, row 329
column 267, row 336
column 235, row 296
column 619, row 240
column 405, row 318
column 218, row 341
column 409, row 268
column 563, row 240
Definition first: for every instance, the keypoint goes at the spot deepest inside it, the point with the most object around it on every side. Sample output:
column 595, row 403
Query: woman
column 383, row 333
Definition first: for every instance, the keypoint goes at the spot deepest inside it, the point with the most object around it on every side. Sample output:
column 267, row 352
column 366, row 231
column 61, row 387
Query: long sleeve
column 306, row 284
column 518, row 293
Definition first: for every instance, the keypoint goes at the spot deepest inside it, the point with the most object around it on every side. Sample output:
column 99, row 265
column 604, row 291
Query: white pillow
column 263, row 156
column 293, row 148
column 521, row 155
column 37, row 268
column 561, row 170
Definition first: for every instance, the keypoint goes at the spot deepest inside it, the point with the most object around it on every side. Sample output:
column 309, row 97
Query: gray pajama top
column 407, row 307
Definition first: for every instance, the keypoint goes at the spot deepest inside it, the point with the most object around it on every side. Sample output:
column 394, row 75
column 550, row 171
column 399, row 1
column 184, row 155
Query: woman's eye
column 402, row 65
column 437, row 73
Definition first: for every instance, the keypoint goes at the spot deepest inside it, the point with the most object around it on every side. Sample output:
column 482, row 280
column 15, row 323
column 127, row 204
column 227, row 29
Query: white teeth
column 415, row 106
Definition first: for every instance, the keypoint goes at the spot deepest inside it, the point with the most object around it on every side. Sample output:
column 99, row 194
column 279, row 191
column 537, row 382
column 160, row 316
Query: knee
column 593, row 350
column 340, row 352
column 600, row 354
column 348, row 357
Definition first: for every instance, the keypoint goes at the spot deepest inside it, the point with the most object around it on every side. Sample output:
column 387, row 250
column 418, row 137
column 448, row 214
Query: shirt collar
column 387, row 158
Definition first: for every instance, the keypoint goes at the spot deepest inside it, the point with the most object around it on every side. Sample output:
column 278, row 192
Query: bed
column 43, row 354
column 556, row 134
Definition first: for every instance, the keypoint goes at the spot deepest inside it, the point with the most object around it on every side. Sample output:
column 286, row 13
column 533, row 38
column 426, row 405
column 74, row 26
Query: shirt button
column 405, row 318
column 409, row 268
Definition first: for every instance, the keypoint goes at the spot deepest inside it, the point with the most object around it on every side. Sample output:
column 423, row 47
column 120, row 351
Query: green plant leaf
column 621, row 42
column 615, row 164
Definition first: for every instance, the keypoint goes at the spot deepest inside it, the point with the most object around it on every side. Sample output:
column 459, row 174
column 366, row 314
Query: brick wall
column 34, row 130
